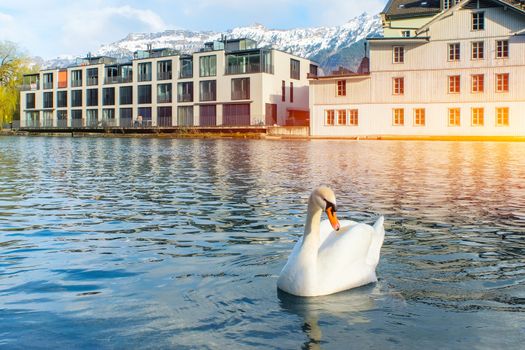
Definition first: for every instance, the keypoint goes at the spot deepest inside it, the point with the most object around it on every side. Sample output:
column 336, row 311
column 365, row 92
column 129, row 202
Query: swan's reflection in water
column 347, row 306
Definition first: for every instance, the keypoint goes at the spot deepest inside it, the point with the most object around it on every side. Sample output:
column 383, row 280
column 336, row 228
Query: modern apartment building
column 443, row 68
column 228, row 83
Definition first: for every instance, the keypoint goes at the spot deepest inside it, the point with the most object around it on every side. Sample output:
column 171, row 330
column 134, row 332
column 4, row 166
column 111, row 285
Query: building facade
column 449, row 68
column 228, row 83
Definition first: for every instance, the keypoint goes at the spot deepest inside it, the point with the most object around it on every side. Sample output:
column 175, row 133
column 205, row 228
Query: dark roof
column 411, row 8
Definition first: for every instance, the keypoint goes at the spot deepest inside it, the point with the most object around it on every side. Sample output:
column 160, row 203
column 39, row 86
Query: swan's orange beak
column 332, row 217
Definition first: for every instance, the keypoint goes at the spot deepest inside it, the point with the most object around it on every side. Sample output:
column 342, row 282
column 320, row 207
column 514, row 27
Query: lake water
column 151, row 243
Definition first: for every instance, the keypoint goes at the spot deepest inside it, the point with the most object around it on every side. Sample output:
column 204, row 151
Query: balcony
column 240, row 95
column 164, row 75
column 250, row 68
column 30, row 87
column 185, row 98
column 48, row 86
column 118, row 80
column 208, row 96
column 77, row 123
column 76, row 83
column 144, row 77
column 92, row 81
column 164, row 99
column 186, row 74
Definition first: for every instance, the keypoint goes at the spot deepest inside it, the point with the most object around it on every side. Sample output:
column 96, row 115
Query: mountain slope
column 331, row 47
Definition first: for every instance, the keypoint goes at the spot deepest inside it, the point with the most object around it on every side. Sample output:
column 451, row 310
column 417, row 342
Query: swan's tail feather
column 377, row 242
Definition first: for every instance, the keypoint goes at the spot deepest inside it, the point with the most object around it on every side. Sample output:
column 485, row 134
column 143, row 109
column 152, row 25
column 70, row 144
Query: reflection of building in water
column 453, row 68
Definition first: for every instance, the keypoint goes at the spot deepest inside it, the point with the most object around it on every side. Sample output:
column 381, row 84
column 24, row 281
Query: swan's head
column 324, row 198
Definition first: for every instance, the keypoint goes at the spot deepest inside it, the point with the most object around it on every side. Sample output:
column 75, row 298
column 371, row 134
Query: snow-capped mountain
column 331, row 47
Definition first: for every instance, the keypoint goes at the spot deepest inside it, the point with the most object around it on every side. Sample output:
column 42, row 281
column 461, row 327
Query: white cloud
column 53, row 27
column 87, row 29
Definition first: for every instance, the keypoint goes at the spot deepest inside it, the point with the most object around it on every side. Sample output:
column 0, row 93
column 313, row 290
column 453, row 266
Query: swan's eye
column 330, row 205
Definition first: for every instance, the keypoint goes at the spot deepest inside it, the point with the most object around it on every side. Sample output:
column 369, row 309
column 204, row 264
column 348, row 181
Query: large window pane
column 144, row 92
column 126, row 95
column 241, row 89
column 185, row 92
column 185, row 116
column 236, row 114
column 208, row 66
column 208, row 90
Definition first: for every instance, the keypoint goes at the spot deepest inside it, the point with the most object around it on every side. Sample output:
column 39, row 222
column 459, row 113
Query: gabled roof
column 516, row 5
column 411, row 8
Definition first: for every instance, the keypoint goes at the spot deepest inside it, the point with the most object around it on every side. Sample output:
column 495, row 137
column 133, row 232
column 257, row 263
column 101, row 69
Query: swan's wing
column 378, row 236
column 325, row 229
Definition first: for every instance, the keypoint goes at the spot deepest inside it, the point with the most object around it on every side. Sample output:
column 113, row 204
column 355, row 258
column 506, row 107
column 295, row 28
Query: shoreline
column 262, row 136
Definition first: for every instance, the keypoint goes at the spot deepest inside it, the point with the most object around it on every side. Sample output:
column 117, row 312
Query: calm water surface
column 132, row 243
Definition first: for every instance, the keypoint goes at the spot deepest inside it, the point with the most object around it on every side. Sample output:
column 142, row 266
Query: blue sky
column 49, row 28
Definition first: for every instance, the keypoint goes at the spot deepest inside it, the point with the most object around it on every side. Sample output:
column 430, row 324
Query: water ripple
column 178, row 243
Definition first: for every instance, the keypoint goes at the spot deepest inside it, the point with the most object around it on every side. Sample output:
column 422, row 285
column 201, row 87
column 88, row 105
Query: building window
column 48, row 80
column 405, row 33
column 454, row 84
column 241, row 89
column 126, row 117
column 399, row 117
column 144, row 71
column 454, row 52
column 237, row 114
column 48, row 99
column 295, row 69
column 144, row 114
column 61, row 99
column 91, row 97
column 186, row 67
column 291, row 92
column 341, row 88
column 283, row 91
column 478, row 21
column 478, row 83
column 126, row 95
column 144, row 92
column 478, row 52
column 92, row 76
column 76, row 98
column 164, row 116
column 354, row 117
column 502, row 49
column 399, row 86
column 47, row 119
column 185, row 92
column 30, row 101
column 330, row 117
column 164, row 93
column 502, row 82
column 419, row 117
column 108, row 96
column 341, row 117
column 454, row 117
column 76, row 78
column 108, row 116
column 76, row 119
column 208, row 115
column 164, row 70
column 399, row 54
column 208, row 90
column 208, row 66
column 478, row 116
column 92, row 118
column 502, row 116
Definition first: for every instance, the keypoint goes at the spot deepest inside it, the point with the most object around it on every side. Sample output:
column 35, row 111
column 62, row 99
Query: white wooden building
column 461, row 73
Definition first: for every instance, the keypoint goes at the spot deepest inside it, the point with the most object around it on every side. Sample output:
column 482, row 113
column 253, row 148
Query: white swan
column 325, row 260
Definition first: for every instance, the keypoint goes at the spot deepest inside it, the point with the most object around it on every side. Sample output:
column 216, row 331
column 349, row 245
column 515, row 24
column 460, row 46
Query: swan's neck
column 311, row 230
